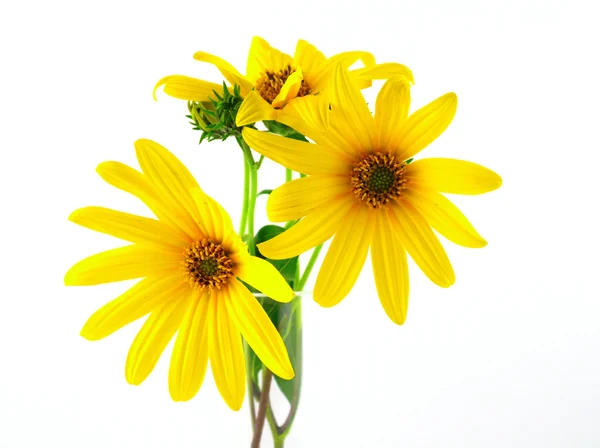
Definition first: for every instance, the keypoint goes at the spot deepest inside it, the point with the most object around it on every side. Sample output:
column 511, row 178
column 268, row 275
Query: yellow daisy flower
column 192, row 264
column 274, row 79
column 363, row 188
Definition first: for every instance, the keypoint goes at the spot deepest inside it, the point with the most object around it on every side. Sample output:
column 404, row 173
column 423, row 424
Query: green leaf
column 265, row 192
column 286, row 267
column 289, row 323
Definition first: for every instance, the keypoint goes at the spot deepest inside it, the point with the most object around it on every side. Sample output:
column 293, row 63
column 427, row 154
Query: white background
column 507, row 357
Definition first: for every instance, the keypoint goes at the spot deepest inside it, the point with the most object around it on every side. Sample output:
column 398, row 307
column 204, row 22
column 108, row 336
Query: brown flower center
column 270, row 83
column 206, row 265
column 378, row 178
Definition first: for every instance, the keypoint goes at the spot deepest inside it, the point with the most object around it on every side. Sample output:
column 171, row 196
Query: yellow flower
column 362, row 188
column 274, row 79
column 191, row 262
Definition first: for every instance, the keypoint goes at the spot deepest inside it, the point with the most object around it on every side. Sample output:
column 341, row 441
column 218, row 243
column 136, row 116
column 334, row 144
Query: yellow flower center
column 270, row 83
column 378, row 178
column 206, row 265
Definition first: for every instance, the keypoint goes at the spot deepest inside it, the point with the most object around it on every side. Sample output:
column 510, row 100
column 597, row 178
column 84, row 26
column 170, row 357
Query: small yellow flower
column 192, row 264
column 364, row 189
column 274, row 79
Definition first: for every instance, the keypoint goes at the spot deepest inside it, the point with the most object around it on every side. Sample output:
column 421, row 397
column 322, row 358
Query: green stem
column 309, row 267
column 288, row 175
column 244, row 219
column 253, row 168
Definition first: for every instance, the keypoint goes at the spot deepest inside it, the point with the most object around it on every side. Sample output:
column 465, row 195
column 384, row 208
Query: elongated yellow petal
column 143, row 298
column 171, row 181
column 124, row 263
column 132, row 181
column 350, row 115
column 452, row 176
column 383, row 71
column 313, row 110
column 318, row 226
column 421, row 243
column 296, row 199
column 263, row 276
column 393, row 104
column 310, row 60
column 262, row 58
column 425, row 125
column 257, row 329
column 187, row 88
column 214, row 220
column 345, row 257
column 191, row 350
column 227, row 355
column 255, row 108
column 289, row 90
column 153, row 338
column 133, row 228
column 348, row 58
column 443, row 216
column 390, row 269
column 228, row 71
column 300, row 156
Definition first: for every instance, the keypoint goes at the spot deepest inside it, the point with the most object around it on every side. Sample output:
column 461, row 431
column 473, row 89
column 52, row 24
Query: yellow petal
column 383, row 71
column 421, row 243
column 312, row 110
column 190, row 353
column 289, row 90
column 153, row 338
column 425, row 125
column 303, row 157
column 227, row 355
column 133, row 228
column 214, row 220
column 318, row 226
column 255, row 108
column 124, row 263
column 228, row 71
column 262, row 57
column 309, row 59
column 187, row 88
column 143, row 298
column 263, row 276
column 172, row 182
column 132, row 181
column 391, row 109
column 390, row 269
column 322, row 79
column 296, row 199
column 348, row 58
column 443, row 216
column 351, row 118
column 345, row 257
column 452, row 176
column 257, row 329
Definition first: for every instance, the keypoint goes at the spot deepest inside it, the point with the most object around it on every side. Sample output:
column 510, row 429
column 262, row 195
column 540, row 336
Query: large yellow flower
column 363, row 188
column 274, row 79
column 191, row 262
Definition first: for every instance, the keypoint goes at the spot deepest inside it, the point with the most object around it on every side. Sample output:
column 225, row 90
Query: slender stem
column 309, row 267
column 288, row 175
column 262, row 408
column 244, row 219
column 253, row 168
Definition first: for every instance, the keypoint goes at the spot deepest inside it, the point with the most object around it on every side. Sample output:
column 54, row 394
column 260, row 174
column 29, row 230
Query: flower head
column 364, row 187
column 275, row 80
column 192, row 265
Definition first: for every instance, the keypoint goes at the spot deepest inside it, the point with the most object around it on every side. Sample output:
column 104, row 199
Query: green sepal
column 284, row 130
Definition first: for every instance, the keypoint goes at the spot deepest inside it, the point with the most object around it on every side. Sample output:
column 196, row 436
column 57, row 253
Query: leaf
column 285, row 316
column 289, row 323
column 286, row 267
column 265, row 192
